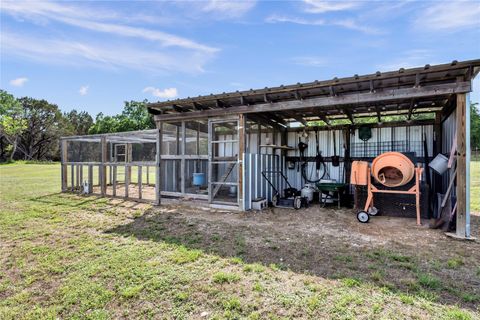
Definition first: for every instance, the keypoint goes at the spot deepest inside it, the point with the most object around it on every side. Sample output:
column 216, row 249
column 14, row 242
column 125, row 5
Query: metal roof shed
column 226, row 129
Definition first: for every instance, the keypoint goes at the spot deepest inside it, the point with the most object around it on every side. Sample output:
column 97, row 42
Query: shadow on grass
column 397, row 270
column 58, row 199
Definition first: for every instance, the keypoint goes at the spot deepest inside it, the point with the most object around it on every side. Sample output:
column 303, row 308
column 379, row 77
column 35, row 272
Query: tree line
column 30, row 128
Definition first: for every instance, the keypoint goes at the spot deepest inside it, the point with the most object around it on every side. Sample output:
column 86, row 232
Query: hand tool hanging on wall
column 320, row 167
column 335, row 158
column 318, row 156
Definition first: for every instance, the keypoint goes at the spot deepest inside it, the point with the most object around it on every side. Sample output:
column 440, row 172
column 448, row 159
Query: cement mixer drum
column 393, row 169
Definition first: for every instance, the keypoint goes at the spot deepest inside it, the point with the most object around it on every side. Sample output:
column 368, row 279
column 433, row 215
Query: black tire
column 372, row 211
column 297, row 203
column 363, row 216
column 275, row 200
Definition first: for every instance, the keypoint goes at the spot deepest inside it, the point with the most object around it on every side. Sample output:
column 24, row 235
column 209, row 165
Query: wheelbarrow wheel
column 363, row 216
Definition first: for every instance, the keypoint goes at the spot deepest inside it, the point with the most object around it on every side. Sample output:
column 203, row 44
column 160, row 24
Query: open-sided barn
column 235, row 150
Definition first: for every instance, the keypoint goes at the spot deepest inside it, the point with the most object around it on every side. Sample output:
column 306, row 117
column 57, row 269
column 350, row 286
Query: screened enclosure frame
column 91, row 165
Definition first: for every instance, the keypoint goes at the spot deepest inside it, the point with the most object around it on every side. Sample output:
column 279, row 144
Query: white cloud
column 19, row 82
column 409, row 59
column 167, row 93
column 310, row 61
column 229, row 9
column 318, row 6
column 107, row 56
column 353, row 25
column 83, row 90
column 79, row 18
column 296, row 20
column 159, row 51
column 450, row 16
column 345, row 23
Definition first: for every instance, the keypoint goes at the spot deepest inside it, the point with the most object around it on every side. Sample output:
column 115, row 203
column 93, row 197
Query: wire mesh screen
column 84, row 151
column 373, row 149
column 144, row 151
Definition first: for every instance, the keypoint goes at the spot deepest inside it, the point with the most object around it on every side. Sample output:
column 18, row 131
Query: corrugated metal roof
column 402, row 78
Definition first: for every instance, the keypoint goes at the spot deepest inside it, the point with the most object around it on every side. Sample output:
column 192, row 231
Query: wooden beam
column 297, row 117
column 349, row 115
column 198, row 106
column 103, row 167
column 324, row 118
column 410, row 109
column 277, row 119
column 178, row 108
column 323, row 103
column 220, row 104
column 379, row 115
column 267, row 121
column 243, row 101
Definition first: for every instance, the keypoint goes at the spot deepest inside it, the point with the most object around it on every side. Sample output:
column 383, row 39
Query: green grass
column 475, row 186
column 59, row 258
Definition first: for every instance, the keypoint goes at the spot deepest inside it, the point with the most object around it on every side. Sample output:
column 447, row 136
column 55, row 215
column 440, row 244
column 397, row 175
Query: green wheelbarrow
column 327, row 189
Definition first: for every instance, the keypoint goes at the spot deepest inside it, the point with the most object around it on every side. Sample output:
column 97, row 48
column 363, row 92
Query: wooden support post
column 158, row 165
column 128, row 159
column 72, row 177
column 127, row 180
column 64, row 154
column 461, row 189
column 77, row 177
column 114, row 181
column 148, row 175
column 259, row 137
column 102, row 168
column 139, row 181
column 90, row 178
column 81, row 176
column 241, row 151
column 182, row 161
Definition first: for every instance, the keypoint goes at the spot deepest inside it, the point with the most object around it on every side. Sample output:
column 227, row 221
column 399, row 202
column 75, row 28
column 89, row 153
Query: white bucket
column 439, row 164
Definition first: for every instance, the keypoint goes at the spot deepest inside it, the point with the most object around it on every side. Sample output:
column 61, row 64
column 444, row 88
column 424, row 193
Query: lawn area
column 68, row 256
column 475, row 186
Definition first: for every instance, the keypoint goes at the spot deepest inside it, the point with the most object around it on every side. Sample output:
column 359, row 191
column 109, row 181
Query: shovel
column 335, row 158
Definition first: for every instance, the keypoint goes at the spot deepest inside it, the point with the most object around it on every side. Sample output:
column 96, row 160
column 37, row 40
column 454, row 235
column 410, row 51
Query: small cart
column 290, row 198
column 330, row 187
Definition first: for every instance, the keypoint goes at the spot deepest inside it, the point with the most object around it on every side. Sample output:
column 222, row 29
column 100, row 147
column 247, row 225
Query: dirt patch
column 388, row 252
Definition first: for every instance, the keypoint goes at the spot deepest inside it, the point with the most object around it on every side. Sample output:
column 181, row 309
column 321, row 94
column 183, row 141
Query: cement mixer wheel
column 363, row 216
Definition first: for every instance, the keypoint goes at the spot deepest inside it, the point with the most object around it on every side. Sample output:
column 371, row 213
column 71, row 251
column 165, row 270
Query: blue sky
column 94, row 55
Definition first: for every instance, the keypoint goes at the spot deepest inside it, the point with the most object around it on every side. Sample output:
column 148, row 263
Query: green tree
column 45, row 124
column 79, row 122
column 134, row 117
column 474, row 126
column 12, row 124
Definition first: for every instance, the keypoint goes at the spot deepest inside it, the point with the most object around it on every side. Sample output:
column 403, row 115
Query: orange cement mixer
column 392, row 170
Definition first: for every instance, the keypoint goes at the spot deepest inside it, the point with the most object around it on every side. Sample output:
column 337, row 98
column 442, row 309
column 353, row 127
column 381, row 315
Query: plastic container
column 198, row 179
column 359, row 173
column 439, row 164
column 307, row 192
column 393, row 169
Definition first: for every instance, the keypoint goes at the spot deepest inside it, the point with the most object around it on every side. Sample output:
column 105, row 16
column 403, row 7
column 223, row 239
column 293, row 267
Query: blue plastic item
column 199, row 179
